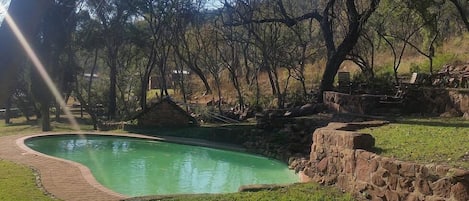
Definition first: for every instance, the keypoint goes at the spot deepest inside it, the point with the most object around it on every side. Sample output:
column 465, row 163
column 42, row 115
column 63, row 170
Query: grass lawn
column 20, row 125
column 425, row 140
column 18, row 182
column 300, row 192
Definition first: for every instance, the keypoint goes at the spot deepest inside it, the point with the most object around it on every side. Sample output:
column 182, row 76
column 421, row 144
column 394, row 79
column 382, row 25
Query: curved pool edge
column 85, row 172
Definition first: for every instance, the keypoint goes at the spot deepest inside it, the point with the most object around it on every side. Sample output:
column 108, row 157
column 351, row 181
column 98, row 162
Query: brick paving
column 64, row 180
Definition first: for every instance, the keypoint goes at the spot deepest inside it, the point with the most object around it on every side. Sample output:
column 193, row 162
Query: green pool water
column 136, row 167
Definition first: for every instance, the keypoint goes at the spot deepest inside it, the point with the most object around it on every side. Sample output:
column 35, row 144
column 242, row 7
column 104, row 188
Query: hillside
column 451, row 50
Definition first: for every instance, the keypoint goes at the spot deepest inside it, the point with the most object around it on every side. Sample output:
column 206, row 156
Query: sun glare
column 39, row 66
column 2, row 9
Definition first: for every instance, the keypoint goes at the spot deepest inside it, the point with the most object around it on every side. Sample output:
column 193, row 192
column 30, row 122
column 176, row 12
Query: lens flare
column 45, row 76
column 39, row 67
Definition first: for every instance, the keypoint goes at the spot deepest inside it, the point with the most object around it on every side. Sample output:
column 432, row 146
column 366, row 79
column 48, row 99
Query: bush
column 382, row 83
column 414, row 68
column 438, row 62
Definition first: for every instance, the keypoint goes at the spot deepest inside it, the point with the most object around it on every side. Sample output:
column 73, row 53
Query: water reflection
column 139, row 167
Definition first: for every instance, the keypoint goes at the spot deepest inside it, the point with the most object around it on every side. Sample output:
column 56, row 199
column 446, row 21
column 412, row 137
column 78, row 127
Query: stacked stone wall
column 344, row 158
column 348, row 103
column 438, row 101
column 416, row 100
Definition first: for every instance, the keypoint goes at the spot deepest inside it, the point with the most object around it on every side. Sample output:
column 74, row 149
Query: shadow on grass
column 24, row 123
column 63, row 124
column 438, row 123
column 378, row 150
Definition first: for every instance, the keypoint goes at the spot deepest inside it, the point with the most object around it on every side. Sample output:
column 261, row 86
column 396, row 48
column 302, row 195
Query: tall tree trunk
column 43, row 97
column 281, row 100
column 87, row 107
column 45, row 117
column 143, row 92
column 337, row 55
column 193, row 66
column 112, row 107
column 27, row 14
column 86, row 104
column 57, row 111
column 93, row 69
column 234, row 77
column 164, row 85
column 218, row 83
column 8, row 110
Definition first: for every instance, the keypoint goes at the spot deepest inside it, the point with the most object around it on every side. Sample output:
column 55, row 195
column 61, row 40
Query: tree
column 397, row 24
column 27, row 14
column 305, row 46
column 113, row 15
column 461, row 7
column 208, row 41
column 82, row 53
column 157, row 27
column 31, row 19
column 364, row 52
column 335, row 14
column 52, row 40
column 186, row 15
column 230, row 56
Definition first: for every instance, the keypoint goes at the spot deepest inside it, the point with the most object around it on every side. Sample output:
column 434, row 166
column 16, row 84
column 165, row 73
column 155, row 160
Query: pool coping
column 51, row 168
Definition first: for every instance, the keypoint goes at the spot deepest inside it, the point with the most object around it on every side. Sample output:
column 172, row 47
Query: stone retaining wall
column 342, row 157
column 348, row 103
column 436, row 101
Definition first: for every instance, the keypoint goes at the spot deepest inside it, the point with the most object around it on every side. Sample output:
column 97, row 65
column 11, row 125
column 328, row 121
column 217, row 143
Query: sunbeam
column 50, row 84
column 39, row 67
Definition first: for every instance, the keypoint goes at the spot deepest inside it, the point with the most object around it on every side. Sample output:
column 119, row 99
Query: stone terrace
column 342, row 157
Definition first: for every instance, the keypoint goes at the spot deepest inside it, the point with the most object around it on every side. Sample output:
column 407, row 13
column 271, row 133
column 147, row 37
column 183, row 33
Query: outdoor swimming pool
column 136, row 167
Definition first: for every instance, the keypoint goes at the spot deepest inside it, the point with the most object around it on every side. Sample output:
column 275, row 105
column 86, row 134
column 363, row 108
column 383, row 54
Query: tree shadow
column 377, row 150
column 24, row 123
column 437, row 123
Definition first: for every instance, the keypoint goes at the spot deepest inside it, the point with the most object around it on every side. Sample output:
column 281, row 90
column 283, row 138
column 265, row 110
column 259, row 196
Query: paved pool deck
column 68, row 180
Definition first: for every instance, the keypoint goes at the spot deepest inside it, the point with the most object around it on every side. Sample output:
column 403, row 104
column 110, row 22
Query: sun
column 3, row 9
column 4, row 4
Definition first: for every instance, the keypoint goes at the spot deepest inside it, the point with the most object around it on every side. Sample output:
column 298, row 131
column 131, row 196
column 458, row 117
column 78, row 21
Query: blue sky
column 214, row 4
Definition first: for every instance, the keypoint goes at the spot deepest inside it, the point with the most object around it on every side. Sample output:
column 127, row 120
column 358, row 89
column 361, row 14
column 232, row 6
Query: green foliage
column 414, row 68
column 204, row 113
column 264, row 101
column 297, row 98
column 439, row 61
column 18, row 183
column 386, row 68
column 382, row 83
column 434, row 140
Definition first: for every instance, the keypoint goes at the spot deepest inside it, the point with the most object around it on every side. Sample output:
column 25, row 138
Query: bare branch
column 287, row 20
